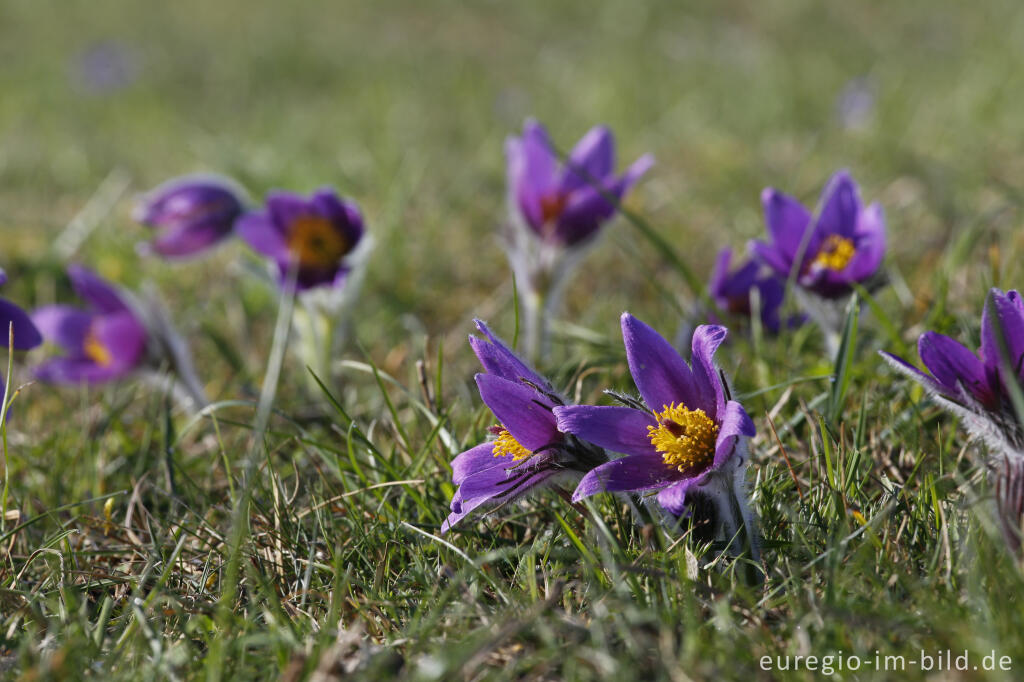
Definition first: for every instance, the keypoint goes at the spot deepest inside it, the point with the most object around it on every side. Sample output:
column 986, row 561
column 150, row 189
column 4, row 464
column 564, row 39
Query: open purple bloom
column 732, row 290
column 190, row 214
column 26, row 335
column 566, row 205
column 689, row 430
column 103, row 342
column 316, row 235
column 843, row 245
column 528, row 451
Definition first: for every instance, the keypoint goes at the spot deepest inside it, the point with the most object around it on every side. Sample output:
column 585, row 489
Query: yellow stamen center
column 835, row 253
column 315, row 242
column 505, row 444
column 685, row 438
column 96, row 351
column 551, row 206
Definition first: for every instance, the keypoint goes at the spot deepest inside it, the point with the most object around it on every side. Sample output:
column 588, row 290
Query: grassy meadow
column 140, row 543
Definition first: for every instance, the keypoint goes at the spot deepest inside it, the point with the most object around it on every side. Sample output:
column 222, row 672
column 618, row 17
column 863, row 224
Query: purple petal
column 870, row 245
column 531, row 170
column 344, row 215
column 1003, row 313
column 590, row 206
column 735, row 424
column 590, row 161
column 840, row 207
column 914, row 373
column 63, row 325
column 720, row 273
column 89, row 286
column 952, row 364
column 661, row 376
column 123, row 337
column 634, row 473
column 285, row 208
column 787, row 221
column 620, row 429
column 673, row 498
column 74, row 371
column 520, row 409
column 771, row 256
column 189, row 240
column 498, row 359
column 475, row 459
column 265, row 237
column 25, row 333
column 710, row 393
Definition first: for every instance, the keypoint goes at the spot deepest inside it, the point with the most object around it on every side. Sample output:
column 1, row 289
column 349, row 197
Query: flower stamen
column 685, row 438
column 315, row 242
column 836, row 253
column 505, row 444
column 96, row 350
column 552, row 206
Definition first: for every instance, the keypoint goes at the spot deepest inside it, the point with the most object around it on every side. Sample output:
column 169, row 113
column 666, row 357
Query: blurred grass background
column 404, row 107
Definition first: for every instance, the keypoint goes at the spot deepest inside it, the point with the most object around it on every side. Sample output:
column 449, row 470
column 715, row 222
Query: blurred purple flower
column 528, row 452
column 856, row 102
column 845, row 244
column 190, row 214
column 732, row 290
column 566, row 205
column 105, row 67
column 104, row 342
column 317, row 236
column 26, row 335
column 979, row 388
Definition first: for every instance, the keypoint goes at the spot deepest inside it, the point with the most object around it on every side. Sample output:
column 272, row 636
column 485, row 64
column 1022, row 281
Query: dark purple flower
column 566, row 205
column 106, row 341
column 528, row 451
column 688, row 431
column 26, row 335
column 190, row 214
column 313, row 235
column 732, row 290
column 845, row 244
column 978, row 386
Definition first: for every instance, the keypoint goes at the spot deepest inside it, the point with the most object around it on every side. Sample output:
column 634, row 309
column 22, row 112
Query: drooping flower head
column 844, row 244
column 102, row 342
column 190, row 214
column 979, row 388
column 316, row 236
column 26, row 335
column 565, row 205
column 686, row 429
column 733, row 290
column 528, row 451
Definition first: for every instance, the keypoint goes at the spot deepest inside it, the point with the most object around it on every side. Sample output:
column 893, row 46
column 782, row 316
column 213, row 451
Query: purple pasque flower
column 732, row 290
column 26, row 335
column 565, row 205
column 528, row 451
column 844, row 244
column 686, row 441
column 103, row 342
column 190, row 214
column 316, row 236
column 979, row 388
